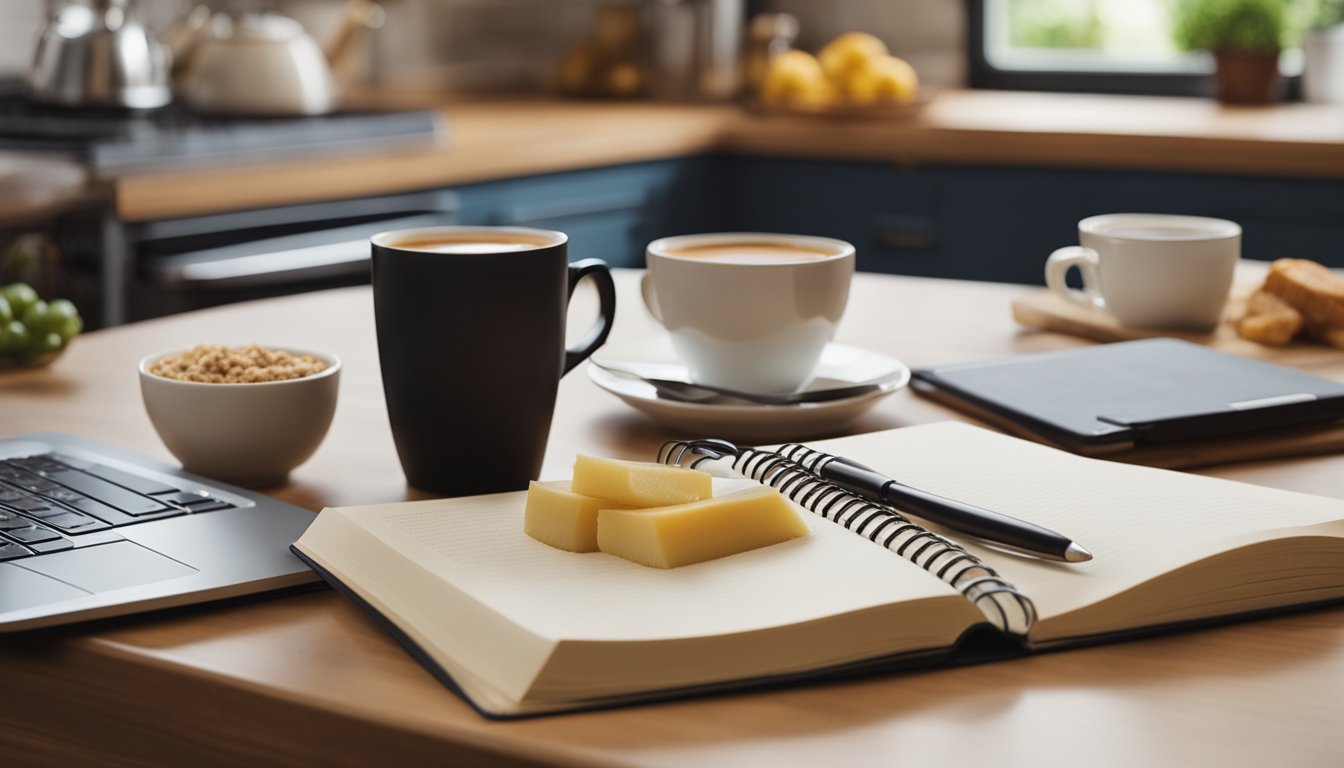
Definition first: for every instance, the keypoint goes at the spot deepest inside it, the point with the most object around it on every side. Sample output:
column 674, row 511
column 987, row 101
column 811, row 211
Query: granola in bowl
column 252, row 364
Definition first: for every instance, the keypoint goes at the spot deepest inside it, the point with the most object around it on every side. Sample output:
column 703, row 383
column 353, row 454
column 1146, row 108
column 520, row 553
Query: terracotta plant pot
column 1247, row 78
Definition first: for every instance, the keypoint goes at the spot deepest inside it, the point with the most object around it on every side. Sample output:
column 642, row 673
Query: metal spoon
column 689, row 392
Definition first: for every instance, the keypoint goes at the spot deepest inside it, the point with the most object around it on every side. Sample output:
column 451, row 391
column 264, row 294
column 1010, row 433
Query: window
column 1107, row 46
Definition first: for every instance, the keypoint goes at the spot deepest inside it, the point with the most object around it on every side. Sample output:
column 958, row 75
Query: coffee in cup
column 1151, row 270
column 749, row 311
column 470, row 241
column 750, row 253
column 471, row 341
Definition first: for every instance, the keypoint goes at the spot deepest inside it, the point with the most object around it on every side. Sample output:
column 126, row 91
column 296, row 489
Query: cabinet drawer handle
column 286, row 260
column 524, row 214
column 292, row 266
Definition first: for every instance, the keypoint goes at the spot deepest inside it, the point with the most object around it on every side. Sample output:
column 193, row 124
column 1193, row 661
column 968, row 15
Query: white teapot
column 266, row 64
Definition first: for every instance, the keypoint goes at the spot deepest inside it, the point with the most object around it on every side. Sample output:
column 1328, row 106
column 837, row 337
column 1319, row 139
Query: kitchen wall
column 516, row 44
column 511, row 45
column 22, row 19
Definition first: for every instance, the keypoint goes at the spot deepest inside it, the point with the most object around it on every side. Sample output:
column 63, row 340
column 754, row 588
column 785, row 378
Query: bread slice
column 1269, row 319
column 1311, row 289
column 1332, row 336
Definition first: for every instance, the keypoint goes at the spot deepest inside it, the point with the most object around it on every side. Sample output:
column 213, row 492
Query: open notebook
column 520, row 628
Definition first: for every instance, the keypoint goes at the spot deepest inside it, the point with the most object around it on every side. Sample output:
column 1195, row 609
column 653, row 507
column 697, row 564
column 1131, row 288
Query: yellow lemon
column 848, row 53
column 796, row 78
column 885, row 80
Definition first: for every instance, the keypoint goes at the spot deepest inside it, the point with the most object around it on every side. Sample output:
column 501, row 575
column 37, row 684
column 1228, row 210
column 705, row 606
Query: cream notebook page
column 477, row 546
column 1139, row 523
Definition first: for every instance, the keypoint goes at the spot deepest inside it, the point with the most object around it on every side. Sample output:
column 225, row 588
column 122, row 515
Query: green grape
column 35, row 317
column 64, row 319
column 6, row 313
column 14, row 337
column 41, row 344
column 19, row 296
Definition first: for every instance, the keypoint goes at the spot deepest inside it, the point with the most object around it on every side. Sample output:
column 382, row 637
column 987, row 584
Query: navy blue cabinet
column 1038, row 211
column 982, row 223
column 609, row 213
column 1001, row 223
column 1280, row 218
column 889, row 214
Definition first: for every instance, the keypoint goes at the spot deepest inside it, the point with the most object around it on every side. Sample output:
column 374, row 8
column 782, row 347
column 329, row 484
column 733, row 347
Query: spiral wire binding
column 794, row 470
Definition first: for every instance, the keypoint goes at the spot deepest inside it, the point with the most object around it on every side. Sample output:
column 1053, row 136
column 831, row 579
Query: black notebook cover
column 1138, row 392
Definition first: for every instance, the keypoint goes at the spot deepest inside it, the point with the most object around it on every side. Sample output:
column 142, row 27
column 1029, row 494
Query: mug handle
column 606, row 295
column 1086, row 260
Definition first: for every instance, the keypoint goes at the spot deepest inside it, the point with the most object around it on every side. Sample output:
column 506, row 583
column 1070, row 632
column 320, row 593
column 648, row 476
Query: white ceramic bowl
column 247, row 434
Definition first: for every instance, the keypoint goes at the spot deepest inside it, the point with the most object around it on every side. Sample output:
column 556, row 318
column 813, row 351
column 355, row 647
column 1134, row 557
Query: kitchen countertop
column 501, row 139
column 35, row 188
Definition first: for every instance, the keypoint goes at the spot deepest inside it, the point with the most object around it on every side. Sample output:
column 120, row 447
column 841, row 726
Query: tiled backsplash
column 478, row 44
column 462, row 43
column 22, row 20
column 517, row 44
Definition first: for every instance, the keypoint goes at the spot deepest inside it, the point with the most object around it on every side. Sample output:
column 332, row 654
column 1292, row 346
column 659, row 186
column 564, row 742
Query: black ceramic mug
column 471, row 340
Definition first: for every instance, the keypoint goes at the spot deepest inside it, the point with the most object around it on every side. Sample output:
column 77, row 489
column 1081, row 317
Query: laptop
column 88, row 532
column 1113, row 397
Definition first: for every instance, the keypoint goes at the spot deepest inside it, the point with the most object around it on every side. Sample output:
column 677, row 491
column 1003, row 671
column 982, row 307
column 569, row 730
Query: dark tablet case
column 1137, row 393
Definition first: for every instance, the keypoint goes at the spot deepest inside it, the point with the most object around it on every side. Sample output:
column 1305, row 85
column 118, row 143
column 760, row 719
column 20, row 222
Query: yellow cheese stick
column 566, row 520
column 639, row 484
column 668, row 537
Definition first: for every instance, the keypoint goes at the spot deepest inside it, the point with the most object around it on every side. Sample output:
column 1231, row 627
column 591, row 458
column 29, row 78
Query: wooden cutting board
column 1047, row 311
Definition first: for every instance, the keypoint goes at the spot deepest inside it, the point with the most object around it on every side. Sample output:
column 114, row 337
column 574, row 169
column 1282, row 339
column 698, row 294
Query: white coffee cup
column 749, row 311
column 1151, row 270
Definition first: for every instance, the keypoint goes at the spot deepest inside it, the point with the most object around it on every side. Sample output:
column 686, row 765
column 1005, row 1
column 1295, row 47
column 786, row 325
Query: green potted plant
column 1323, row 54
column 1244, row 36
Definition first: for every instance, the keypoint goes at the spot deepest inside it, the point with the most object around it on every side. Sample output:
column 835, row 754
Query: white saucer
column 840, row 365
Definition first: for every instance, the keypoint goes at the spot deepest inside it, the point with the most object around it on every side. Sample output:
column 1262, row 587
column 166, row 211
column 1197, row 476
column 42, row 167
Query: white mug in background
column 1151, row 270
column 749, row 311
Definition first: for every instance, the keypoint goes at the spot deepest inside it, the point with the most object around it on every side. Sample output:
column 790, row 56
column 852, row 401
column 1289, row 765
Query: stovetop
column 119, row 139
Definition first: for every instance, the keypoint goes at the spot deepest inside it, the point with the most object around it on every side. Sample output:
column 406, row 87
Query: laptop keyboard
column 52, row 502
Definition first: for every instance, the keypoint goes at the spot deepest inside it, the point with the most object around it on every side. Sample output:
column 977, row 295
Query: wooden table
column 309, row 680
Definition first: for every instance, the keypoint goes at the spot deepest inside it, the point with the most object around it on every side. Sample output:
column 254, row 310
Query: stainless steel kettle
column 100, row 55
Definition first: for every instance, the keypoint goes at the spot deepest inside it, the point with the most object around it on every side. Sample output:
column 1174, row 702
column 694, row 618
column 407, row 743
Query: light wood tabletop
column 310, row 680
